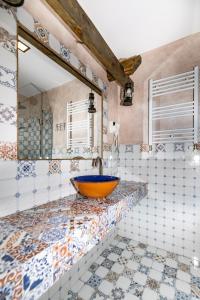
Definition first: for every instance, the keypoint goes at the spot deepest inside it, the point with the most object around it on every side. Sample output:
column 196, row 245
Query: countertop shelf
column 38, row 245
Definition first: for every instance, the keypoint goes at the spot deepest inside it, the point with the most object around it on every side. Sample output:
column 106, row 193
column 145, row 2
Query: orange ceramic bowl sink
column 95, row 186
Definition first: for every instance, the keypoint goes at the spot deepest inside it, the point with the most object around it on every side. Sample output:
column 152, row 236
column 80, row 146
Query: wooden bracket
column 130, row 65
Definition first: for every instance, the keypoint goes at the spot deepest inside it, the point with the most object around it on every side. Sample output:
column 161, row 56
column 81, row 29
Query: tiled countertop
column 38, row 245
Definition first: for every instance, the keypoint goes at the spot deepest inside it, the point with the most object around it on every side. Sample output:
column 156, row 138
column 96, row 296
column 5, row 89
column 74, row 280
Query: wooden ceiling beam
column 72, row 14
column 130, row 65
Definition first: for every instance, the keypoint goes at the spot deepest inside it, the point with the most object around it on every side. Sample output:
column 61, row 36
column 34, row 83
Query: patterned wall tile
column 74, row 166
column 26, row 169
column 8, row 151
column 65, row 53
column 41, row 32
column 7, row 114
column 129, row 148
column 54, row 167
column 7, row 40
column 179, row 147
column 160, row 148
column 198, row 147
column 105, row 130
column 144, row 148
column 82, row 68
column 94, row 78
column 7, row 77
column 107, row 147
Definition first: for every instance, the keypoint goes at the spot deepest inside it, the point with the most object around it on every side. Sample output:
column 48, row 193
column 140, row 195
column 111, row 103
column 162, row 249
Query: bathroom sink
column 95, row 186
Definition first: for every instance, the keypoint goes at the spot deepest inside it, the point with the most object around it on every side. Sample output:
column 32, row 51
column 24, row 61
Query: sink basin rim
column 95, row 179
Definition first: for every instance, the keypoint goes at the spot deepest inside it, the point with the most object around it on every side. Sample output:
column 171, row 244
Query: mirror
column 53, row 117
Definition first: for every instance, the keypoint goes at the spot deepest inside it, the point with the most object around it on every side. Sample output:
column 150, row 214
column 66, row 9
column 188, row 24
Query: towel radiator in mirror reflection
column 79, row 125
column 174, row 108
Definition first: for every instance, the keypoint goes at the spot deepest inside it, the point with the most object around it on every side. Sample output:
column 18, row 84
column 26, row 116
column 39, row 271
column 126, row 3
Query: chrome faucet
column 98, row 162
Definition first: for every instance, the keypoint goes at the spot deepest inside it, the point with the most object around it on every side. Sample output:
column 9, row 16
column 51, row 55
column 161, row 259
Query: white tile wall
column 26, row 192
column 168, row 217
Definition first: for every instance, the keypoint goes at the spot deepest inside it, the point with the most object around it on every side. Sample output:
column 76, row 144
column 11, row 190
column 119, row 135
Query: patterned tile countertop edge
column 38, row 245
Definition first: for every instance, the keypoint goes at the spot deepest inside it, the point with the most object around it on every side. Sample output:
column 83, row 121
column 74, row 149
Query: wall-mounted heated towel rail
column 175, row 109
column 79, row 129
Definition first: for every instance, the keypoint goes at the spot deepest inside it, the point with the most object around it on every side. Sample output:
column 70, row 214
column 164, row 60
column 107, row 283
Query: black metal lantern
column 127, row 96
column 91, row 108
column 15, row 3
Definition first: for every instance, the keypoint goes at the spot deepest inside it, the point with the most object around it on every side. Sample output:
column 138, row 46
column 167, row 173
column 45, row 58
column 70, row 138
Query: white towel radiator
column 178, row 110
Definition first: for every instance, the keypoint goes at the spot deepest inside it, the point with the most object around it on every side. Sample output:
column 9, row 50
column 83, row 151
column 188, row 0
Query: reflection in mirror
column 54, row 119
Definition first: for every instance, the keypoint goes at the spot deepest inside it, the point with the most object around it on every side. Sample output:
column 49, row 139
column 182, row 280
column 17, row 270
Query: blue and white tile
column 26, row 169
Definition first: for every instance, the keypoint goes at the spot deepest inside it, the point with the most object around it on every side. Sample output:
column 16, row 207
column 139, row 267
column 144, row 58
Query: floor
column 130, row 270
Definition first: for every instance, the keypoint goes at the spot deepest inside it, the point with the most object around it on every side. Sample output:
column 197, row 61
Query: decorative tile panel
column 82, row 68
column 7, row 77
column 7, row 114
column 7, row 40
column 26, row 169
column 160, row 148
column 74, row 166
column 41, row 32
column 8, row 151
column 179, row 147
column 54, row 167
column 65, row 52
column 144, row 148
column 107, row 147
column 129, row 148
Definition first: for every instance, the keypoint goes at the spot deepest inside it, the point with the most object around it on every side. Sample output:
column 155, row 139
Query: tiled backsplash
column 26, row 184
column 168, row 217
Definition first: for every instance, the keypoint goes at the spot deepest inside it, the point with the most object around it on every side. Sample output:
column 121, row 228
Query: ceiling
column 133, row 27
column 38, row 73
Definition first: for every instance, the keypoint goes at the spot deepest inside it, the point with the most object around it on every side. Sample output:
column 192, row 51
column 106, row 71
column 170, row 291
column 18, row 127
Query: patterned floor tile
column 128, row 273
column 132, row 270
column 112, row 277
column 122, row 260
column 117, row 293
column 182, row 296
column 168, row 280
column 107, row 263
column 98, row 296
column 93, row 267
column 143, row 269
column 94, row 281
column 183, row 267
column 153, row 284
column 130, row 248
column 106, row 252
column 117, row 250
column 170, row 272
column 136, row 289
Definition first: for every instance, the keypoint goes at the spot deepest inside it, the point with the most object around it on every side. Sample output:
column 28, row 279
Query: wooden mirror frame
column 45, row 49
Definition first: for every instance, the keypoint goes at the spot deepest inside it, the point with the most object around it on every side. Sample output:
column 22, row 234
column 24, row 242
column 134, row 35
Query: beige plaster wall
column 171, row 59
column 55, row 100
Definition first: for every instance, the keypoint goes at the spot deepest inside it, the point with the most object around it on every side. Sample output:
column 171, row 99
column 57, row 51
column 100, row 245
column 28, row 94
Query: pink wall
column 177, row 57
